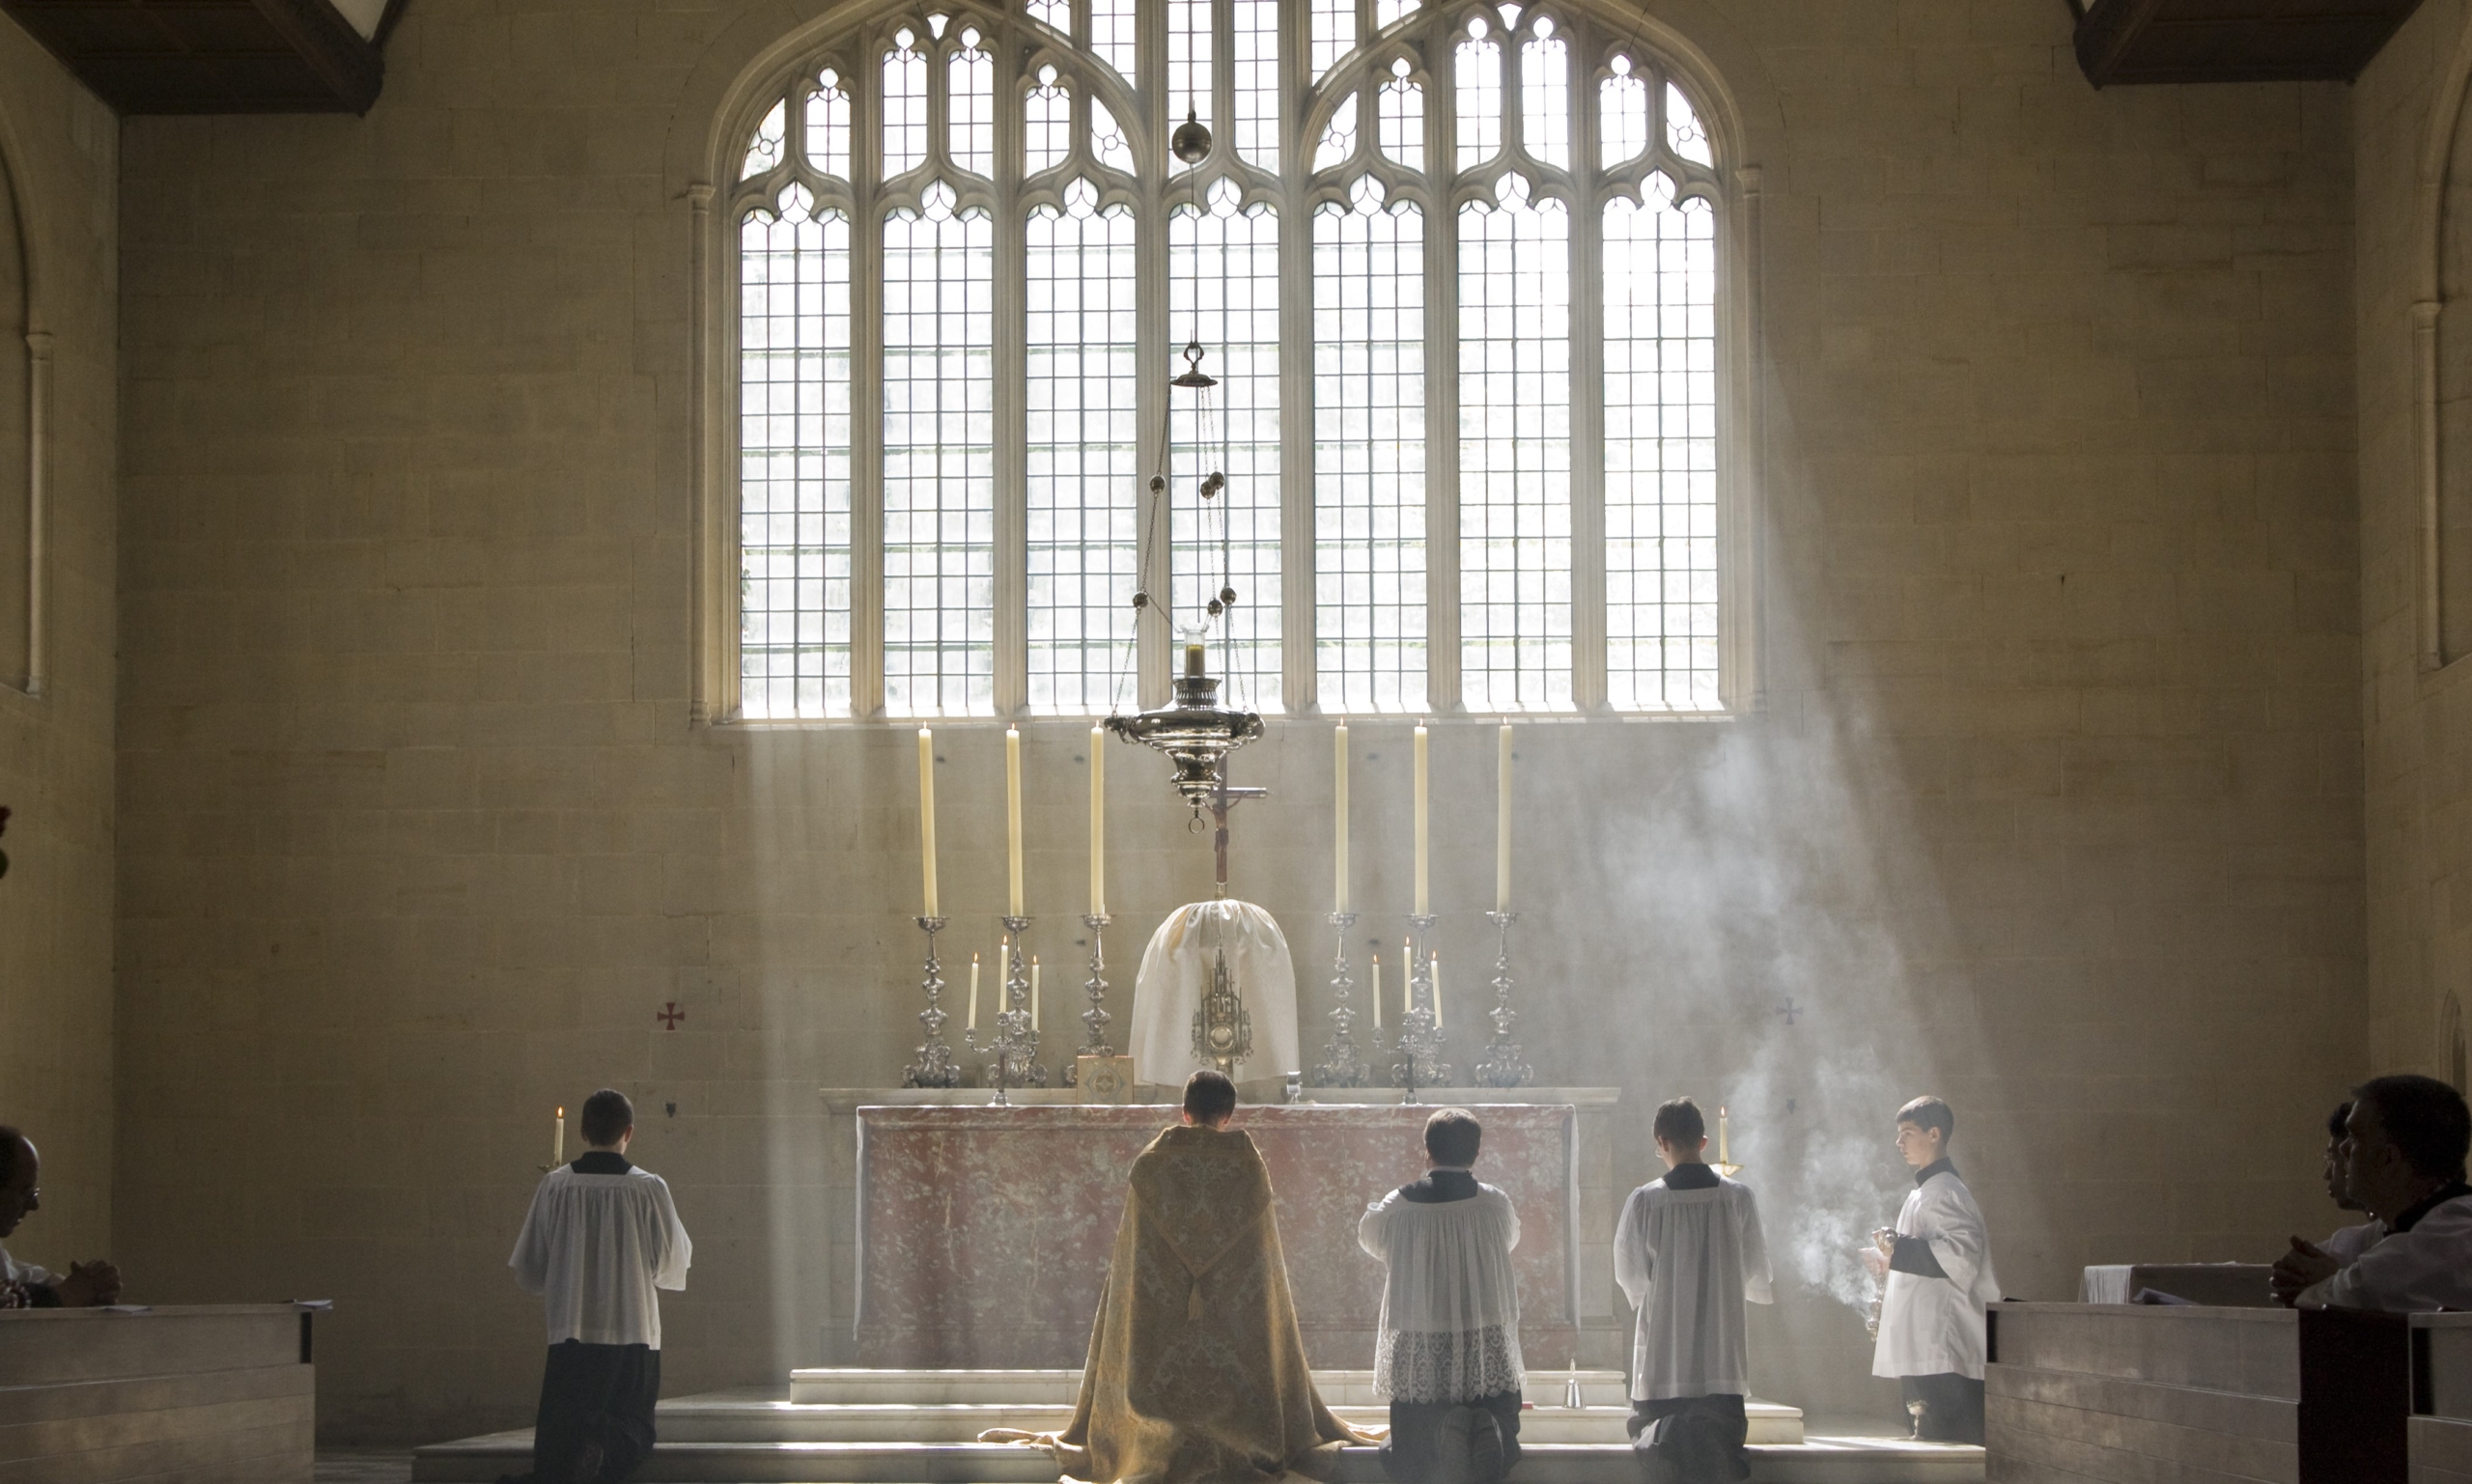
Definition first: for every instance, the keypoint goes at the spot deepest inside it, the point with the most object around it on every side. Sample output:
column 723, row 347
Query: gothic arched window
column 1458, row 271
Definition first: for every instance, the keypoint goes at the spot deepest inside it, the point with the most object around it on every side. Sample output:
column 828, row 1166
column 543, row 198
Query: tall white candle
column 927, row 816
column 1377, row 992
column 1725, row 1155
column 1407, row 979
column 1421, row 907
column 1502, row 828
column 1339, row 832
column 1013, row 819
column 558, row 1140
column 1035, row 991
column 1098, row 824
column 974, row 992
column 1433, row 976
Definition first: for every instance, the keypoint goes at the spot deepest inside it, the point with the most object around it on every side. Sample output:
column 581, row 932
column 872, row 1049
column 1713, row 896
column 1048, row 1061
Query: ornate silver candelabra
column 1094, row 1043
column 1502, row 1066
column 1419, row 1038
column 1341, row 1066
column 1015, row 1046
column 935, row 1066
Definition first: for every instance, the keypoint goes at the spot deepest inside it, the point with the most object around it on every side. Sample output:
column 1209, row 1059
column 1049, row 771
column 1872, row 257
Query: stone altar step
column 757, row 1416
column 858, row 1386
column 918, row 1427
column 1817, row 1460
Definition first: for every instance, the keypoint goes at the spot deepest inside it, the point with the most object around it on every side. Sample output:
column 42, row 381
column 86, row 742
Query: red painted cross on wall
column 669, row 1014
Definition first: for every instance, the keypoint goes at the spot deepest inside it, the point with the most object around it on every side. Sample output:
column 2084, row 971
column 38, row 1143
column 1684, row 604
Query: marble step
column 1818, row 1461
column 758, row 1417
column 1058, row 1387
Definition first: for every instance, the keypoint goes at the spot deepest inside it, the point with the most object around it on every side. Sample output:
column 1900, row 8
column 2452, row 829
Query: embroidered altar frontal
column 984, row 1232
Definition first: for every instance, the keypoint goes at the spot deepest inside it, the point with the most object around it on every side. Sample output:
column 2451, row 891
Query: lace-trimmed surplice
column 1451, row 1306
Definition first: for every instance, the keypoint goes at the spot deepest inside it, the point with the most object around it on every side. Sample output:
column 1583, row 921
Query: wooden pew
column 222, row 1394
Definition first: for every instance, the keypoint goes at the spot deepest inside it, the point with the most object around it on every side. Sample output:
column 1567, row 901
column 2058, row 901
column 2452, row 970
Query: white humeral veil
column 1175, row 974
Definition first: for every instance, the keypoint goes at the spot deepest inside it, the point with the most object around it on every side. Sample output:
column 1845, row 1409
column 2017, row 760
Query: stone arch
column 2441, row 328
column 2454, row 1054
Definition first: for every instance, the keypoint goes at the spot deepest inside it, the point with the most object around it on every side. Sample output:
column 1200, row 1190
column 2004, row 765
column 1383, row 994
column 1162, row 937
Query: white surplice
column 2347, row 1242
column 15, row 1271
column 1688, row 1260
column 1450, row 1328
column 595, row 1247
column 2423, row 1268
column 1175, row 974
column 1935, row 1326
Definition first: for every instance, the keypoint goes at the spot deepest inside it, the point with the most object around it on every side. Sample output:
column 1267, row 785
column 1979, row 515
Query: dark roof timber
column 2233, row 40
column 212, row 56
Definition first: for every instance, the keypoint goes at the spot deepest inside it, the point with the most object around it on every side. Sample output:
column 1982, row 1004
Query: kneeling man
column 1447, row 1354
column 2403, row 1150
column 1197, row 1372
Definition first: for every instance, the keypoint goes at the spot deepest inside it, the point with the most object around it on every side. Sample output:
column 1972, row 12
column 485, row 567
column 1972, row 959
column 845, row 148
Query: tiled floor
column 360, row 1465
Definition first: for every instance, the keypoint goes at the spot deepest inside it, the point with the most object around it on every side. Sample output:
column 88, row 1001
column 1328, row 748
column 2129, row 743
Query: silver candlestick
column 935, row 1066
column 1341, row 1066
column 1015, row 1045
column 1419, row 1038
column 1502, row 1066
column 1094, row 1042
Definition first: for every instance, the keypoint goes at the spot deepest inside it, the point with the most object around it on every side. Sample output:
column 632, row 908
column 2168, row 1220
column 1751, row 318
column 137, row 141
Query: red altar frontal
column 983, row 1233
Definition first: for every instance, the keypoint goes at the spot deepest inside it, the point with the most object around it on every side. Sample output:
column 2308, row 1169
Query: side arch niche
column 2452, row 394
column 20, row 518
column 2454, row 1056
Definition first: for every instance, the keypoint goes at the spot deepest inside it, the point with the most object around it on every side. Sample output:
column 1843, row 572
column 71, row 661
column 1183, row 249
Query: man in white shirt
column 1936, row 1266
column 24, row 1285
column 600, row 1238
column 1689, row 1255
column 2403, row 1151
column 1447, row 1354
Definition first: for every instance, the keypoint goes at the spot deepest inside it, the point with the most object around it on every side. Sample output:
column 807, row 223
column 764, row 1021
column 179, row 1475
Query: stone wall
column 2417, row 721
column 2053, row 805
column 61, row 153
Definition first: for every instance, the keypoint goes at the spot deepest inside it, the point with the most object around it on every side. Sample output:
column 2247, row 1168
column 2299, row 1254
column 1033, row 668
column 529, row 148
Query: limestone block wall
column 2417, row 723
column 62, row 152
column 2053, row 804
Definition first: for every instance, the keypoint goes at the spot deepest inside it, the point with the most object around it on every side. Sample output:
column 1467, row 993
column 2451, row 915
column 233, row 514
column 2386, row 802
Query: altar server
column 600, row 1238
column 1937, row 1266
column 1197, row 1369
column 1689, row 1255
column 1448, row 1352
column 2404, row 1152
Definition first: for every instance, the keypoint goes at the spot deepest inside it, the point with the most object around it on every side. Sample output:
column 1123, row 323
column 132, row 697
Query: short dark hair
column 1209, row 1096
column 2423, row 1117
column 1452, row 1137
column 606, row 1117
column 1679, row 1122
column 2339, row 1123
column 1930, row 1112
column 12, row 1140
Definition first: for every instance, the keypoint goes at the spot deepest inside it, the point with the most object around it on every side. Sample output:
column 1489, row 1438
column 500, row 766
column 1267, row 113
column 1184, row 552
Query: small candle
column 1035, row 991
column 1098, row 824
column 1377, row 992
column 1013, row 819
column 1407, row 979
column 1422, row 907
column 558, row 1140
column 974, row 992
column 1502, row 828
column 927, row 816
column 1723, row 1155
column 1433, row 975
column 1339, row 832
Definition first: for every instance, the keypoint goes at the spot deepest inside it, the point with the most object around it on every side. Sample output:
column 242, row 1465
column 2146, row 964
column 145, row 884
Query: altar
column 978, row 1236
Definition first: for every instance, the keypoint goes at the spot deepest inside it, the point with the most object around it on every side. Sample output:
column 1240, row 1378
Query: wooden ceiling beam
column 211, row 56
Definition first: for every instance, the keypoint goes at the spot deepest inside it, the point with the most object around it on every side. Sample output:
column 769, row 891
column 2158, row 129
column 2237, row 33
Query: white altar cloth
column 1175, row 975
